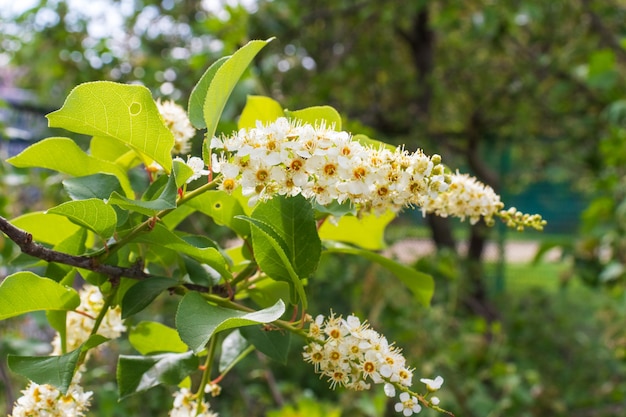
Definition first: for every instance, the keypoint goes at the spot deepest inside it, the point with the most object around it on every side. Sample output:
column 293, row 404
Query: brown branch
column 24, row 240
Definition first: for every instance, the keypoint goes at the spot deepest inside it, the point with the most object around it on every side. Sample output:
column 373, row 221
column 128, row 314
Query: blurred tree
column 165, row 45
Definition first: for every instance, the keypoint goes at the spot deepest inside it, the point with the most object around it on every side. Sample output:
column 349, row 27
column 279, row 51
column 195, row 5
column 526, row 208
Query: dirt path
column 409, row 250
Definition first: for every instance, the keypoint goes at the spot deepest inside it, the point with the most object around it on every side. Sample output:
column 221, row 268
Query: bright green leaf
column 274, row 344
column 317, row 115
column 150, row 337
column 197, row 320
column 182, row 172
column 63, row 155
column 24, row 292
column 92, row 214
column 122, row 112
column 199, row 92
column 367, row 141
column 259, row 109
column 140, row 295
column 46, row 228
column 367, row 231
column 222, row 84
column 140, row 373
column 421, row 285
column 92, row 186
column 161, row 236
column 114, row 151
column 223, row 209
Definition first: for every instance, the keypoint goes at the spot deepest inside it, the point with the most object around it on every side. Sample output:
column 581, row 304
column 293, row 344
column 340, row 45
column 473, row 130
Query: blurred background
column 527, row 95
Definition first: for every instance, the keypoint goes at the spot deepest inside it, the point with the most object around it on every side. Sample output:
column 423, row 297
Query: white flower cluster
column 177, row 121
column 81, row 322
column 47, row 401
column 351, row 354
column 287, row 158
column 465, row 197
column 186, row 405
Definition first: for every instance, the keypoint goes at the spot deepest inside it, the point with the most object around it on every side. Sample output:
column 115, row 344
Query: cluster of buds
column 324, row 165
column 353, row 355
column 518, row 220
column 80, row 322
column 46, row 400
column 466, row 197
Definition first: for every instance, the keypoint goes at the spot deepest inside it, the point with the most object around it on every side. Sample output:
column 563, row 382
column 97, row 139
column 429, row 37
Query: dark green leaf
column 160, row 236
column 140, row 295
column 140, row 373
column 197, row 320
column 273, row 343
column 54, row 370
column 92, row 186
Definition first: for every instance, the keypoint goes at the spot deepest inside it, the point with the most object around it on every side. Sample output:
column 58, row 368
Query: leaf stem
column 206, row 373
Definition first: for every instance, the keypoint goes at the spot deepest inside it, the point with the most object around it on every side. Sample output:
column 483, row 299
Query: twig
column 24, row 240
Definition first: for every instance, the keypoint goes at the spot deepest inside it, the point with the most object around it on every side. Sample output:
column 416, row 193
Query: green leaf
column 63, row 155
column 24, row 292
column 92, row 186
column 164, row 201
column 119, row 111
column 421, row 285
column 197, row 320
column 223, row 209
column 199, row 92
column 140, row 373
column 46, row 228
column 182, row 172
column 285, row 240
column 114, row 151
column 161, row 236
column 367, row 141
column 317, row 115
column 274, row 344
column 222, row 84
column 149, row 337
column 367, row 231
column 259, row 109
column 54, row 370
column 140, row 295
column 92, row 214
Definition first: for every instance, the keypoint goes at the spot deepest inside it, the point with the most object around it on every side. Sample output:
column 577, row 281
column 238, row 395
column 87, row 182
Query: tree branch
column 24, row 240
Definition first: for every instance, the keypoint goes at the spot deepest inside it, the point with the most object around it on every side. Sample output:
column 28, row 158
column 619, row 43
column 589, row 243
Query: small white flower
column 390, row 390
column 433, row 384
column 434, row 400
column 408, row 405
